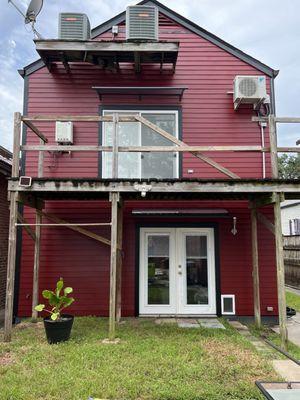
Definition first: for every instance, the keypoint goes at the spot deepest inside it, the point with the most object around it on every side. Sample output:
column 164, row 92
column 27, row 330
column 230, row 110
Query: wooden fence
column 291, row 247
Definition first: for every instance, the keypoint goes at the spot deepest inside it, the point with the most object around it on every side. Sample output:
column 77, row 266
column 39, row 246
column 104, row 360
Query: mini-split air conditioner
column 249, row 90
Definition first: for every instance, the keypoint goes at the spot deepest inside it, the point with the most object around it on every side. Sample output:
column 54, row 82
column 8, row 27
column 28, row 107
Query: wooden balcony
column 108, row 54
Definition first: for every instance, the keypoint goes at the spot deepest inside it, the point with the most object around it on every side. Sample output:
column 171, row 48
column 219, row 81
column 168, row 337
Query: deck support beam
column 280, row 274
column 255, row 268
column 12, row 239
column 36, row 265
column 119, row 262
column 114, row 199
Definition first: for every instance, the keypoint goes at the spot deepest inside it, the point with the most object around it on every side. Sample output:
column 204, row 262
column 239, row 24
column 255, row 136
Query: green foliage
column 57, row 301
column 289, row 166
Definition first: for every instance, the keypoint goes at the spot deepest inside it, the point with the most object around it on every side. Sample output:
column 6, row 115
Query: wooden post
column 41, row 161
column 36, row 266
column 16, row 145
column 273, row 146
column 255, row 267
column 280, row 274
column 115, row 147
column 114, row 198
column 119, row 261
column 12, row 239
column 11, row 267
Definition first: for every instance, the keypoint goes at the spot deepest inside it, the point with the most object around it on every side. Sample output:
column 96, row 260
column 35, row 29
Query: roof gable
column 180, row 20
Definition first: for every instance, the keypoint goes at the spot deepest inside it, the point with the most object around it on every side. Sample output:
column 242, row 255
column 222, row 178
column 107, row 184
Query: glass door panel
column 155, row 164
column 158, row 269
column 196, row 270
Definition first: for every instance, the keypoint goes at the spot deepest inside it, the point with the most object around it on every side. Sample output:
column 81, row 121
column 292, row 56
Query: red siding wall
column 84, row 263
column 208, row 119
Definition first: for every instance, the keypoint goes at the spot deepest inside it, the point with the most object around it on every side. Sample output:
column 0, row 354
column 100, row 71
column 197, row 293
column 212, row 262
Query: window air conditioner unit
column 64, row 132
column 249, row 90
column 74, row 26
column 142, row 23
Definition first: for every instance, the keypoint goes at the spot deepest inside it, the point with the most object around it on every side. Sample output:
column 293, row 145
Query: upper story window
column 142, row 165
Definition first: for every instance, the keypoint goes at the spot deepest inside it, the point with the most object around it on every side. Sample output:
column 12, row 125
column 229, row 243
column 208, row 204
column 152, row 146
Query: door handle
column 179, row 270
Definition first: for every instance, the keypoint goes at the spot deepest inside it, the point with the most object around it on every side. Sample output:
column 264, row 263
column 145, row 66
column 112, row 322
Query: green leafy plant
column 56, row 300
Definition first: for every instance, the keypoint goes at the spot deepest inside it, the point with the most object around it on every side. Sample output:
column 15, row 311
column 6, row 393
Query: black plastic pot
column 58, row 331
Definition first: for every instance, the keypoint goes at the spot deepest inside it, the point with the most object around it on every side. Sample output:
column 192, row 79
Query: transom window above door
column 142, row 164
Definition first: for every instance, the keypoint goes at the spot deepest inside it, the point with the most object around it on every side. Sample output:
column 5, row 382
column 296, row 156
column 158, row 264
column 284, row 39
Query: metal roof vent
column 142, row 23
column 74, row 26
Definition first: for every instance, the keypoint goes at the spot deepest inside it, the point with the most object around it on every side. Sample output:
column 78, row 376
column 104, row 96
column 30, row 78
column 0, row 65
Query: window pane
column 196, row 246
column 196, row 270
column 128, row 163
column 158, row 269
column 159, row 165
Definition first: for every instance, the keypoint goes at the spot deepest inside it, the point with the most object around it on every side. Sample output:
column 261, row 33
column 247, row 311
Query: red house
column 154, row 136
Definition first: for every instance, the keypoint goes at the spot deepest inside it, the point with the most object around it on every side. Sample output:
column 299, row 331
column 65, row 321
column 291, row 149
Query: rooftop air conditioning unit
column 249, row 90
column 142, row 23
column 74, row 26
column 64, row 132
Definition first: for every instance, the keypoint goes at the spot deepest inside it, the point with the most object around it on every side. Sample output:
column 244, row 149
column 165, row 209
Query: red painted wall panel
column 208, row 119
column 84, row 263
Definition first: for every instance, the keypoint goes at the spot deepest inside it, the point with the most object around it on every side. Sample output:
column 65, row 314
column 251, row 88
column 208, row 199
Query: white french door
column 177, row 271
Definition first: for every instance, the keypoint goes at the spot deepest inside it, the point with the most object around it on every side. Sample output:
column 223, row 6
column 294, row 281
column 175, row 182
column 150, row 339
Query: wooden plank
column 255, row 268
column 288, row 149
column 280, row 274
column 78, row 229
column 76, row 118
column 119, row 261
column 291, row 188
column 288, row 120
column 16, row 145
column 266, row 222
column 36, row 265
column 41, row 162
column 114, row 198
column 24, row 223
column 30, row 200
column 263, row 200
column 138, row 149
column 11, row 265
column 273, row 146
column 35, row 130
column 180, row 143
column 98, row 46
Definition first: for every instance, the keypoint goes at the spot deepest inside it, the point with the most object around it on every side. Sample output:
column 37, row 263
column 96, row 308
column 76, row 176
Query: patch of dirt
column 6, row 359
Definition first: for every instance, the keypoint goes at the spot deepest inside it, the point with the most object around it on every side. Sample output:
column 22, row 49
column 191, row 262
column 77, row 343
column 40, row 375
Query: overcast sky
column 268, row 30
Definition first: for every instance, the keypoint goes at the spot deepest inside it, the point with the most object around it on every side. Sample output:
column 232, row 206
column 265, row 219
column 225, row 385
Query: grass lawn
column 293, row 300
column 151, row 362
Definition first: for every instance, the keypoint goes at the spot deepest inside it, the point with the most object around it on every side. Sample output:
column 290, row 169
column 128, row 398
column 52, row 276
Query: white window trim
column 228, row 296
column 137, row 111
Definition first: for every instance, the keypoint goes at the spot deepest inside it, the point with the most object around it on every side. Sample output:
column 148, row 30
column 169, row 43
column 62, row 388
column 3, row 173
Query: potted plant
column 57, row 325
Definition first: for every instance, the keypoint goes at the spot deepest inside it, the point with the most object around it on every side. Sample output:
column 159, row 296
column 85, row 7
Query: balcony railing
column 178, row 146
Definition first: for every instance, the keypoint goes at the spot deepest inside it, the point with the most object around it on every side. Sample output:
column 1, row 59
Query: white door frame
column 177, row 281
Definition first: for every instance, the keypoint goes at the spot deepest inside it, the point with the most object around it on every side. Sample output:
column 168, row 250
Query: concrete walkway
column 293, row 328
column 287, row 369
column 293, row 290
